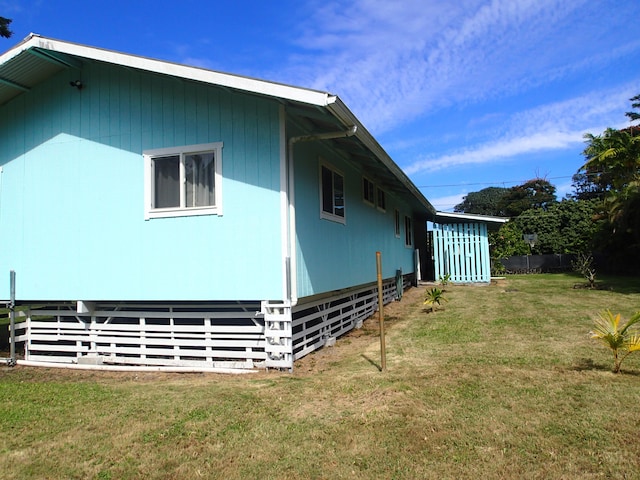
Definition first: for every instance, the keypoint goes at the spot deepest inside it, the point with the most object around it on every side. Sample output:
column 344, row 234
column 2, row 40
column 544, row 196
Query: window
column 183, row 181
column 331, row 194
column 397, row 223
column 408, row 232
column 368, row 190
column 382, row 201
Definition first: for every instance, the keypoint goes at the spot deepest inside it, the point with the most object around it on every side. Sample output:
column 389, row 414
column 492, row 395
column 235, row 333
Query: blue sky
column 462, row 94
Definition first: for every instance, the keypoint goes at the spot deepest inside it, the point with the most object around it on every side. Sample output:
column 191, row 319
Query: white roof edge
column 17, row 49
column 471, row 216
column 298, row 94
column 247, row 84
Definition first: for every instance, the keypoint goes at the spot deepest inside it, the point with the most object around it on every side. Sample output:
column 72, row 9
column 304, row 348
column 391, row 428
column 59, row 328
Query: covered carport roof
column 449, row 217
column 38, row 58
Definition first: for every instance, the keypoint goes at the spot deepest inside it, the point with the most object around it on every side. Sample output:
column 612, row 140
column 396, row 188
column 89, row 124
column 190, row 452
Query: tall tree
column 536, row 193
column 4, row 27
column 613, row 162
column 568, row 226
column 613, row 158
column 635, row 103
column 586, row 188
column 483, row 202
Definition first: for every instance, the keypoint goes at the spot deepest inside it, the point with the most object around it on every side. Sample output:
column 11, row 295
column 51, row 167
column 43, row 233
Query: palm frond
column 605, row 328
column 632, row 321
column 633, row 343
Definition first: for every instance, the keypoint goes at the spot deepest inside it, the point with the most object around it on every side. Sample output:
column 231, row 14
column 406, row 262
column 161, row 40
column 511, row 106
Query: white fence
column 462, row 251
column 316, row 323
column 216, row 335
column 219, row 336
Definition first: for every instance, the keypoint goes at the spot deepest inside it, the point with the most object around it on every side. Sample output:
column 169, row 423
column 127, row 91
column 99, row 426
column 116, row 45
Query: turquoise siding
column 330, row 255
column 71, row 191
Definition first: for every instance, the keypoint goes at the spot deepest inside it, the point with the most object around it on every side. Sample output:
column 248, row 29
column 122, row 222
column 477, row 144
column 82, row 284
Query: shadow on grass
column 587, row 364
column 372, row 362
column 624, row 284
column 429, row 311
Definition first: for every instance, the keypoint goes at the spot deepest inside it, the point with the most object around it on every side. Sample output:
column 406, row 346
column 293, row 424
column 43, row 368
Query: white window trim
column 397, row 223
column 373, row 185
column 148, row 156
column 326, row 215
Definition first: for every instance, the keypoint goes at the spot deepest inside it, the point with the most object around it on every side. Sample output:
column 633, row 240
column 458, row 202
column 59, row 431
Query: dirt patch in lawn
column 360, row 340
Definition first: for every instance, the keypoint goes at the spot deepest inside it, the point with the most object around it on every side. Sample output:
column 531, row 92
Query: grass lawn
column 501, row 382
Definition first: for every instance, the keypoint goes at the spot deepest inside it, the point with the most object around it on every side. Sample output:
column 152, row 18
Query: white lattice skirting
column 230, row 335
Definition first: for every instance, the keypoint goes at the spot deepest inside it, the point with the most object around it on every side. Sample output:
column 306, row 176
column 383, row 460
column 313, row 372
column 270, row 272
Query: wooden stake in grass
column 383, row 353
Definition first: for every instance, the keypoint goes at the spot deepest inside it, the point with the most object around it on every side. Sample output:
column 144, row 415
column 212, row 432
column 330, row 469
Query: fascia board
column 247, row 84
column 16, row 50
column 469, row 217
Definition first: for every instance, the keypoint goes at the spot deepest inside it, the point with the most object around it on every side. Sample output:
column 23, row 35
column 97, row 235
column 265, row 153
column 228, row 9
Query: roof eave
column 324, row 100
column 342, row 112
column 469, row 217
column 248, row 84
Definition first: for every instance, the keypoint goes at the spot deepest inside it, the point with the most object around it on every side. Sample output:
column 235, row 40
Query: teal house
column 168, row 216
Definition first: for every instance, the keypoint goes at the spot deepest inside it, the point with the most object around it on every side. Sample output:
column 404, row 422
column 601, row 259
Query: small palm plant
column 621, row 339
column 434, row 296
column 444, row 279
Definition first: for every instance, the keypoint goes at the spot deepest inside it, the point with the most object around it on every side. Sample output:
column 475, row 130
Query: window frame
column 368, row 187
column 397, row 223
column 181, row 152
column 332, row 216
column 381, row 194
column 408, row 232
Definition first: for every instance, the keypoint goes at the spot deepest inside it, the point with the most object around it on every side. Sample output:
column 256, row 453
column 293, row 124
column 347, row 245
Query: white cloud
column 496, row 151
column 448, row 202
column 394, row 61
column 556, row 126
column 563, row 189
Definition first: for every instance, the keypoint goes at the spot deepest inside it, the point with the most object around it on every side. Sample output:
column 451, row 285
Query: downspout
column 291, row 268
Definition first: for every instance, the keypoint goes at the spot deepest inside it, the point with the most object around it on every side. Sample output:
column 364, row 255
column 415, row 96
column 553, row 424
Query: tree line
column 601, row 215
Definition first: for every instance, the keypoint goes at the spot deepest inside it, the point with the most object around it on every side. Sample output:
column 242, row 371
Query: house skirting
column 223, row 336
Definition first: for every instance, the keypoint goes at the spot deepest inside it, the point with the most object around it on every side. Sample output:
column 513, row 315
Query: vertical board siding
column 72, row 191
column 462, row 251
column 331, row 255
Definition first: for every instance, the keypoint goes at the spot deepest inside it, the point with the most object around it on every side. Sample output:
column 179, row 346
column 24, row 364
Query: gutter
column 290, row 220
column 342, row 112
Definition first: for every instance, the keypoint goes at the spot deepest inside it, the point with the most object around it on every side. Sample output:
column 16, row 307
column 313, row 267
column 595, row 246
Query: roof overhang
column 448, row 217
column 38, row 58
column 36, row 52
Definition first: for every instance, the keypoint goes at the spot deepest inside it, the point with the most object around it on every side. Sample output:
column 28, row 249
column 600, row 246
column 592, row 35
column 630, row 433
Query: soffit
column 354, row 149
column 23, row 72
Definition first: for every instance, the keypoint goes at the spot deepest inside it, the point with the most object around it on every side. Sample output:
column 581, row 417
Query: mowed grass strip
column 500, row 382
